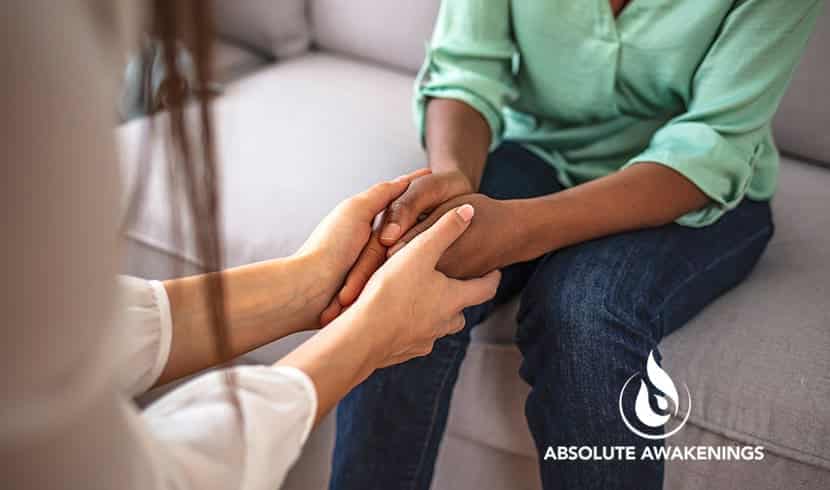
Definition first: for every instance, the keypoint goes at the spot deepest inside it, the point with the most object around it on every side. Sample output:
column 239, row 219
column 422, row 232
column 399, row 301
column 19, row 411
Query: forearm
column 264, row 302
column 337, row 358
column 457, row 138
column 642, row 196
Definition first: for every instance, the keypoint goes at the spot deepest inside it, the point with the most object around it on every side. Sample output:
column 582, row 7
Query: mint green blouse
column 690, row 84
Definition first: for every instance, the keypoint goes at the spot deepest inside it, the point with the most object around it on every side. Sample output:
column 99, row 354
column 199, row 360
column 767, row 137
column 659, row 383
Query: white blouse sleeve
column 239, row 428
column 278, row 405
column 65, row 419
column 144, row 333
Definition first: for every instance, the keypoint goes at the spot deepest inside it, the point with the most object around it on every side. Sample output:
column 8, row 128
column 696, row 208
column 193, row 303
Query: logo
column 666, row 400
column 656, row 404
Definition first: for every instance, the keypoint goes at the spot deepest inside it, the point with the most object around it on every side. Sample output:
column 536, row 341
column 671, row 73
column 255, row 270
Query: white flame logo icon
column 668, row 402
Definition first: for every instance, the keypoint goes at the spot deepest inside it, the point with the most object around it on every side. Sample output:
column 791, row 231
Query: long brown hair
column 190, row 149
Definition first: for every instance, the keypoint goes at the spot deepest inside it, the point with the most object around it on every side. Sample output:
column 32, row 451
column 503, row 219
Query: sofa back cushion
column 276, row 28
column 389, row 32
column 802, row 125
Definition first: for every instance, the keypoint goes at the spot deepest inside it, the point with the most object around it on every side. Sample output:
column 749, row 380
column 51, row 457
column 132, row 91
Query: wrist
column 536, row 230
column 315, row 283
column 320, row 272
column 336, row 359
column 366, row 339
column 463, row 181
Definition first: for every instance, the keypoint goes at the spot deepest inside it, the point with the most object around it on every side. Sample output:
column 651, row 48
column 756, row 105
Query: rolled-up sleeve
column 144, row 334
column 470, row 59
column 734, row 95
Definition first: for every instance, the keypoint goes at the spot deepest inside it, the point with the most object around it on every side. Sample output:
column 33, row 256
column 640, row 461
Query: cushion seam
column 158, row 246
column 776, row 448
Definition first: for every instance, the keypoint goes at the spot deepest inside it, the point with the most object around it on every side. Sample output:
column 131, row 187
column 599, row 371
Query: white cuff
column 165, row 331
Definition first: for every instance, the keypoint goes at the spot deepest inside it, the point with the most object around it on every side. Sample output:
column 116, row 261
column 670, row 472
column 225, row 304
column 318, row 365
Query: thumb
column 473, row 292
column 379, row 196
column 434, row 241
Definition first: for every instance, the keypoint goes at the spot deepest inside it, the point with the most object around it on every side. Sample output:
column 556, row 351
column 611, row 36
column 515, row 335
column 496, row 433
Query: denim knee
column 567, row 332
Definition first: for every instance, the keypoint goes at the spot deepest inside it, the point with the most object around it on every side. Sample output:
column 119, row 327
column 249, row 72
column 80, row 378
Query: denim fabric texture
column 589, row 316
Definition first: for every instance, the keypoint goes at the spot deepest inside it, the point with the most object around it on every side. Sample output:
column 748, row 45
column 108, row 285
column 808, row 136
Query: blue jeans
column 589, row 316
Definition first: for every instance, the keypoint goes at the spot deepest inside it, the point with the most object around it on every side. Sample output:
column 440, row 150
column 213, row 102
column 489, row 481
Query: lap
column 653, row 280
column 650, row 281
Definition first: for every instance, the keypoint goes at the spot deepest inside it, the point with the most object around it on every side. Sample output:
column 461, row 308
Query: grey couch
column 332, row 115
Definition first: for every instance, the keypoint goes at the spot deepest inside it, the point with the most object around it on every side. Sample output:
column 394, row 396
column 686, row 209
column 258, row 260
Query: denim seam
column 659, row 311
column 612, row 312
column 427, row 442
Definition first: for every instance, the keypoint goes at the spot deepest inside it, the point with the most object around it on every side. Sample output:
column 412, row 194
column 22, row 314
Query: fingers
column 421, row 196
column 379, row 196
column 434, row 241
column 412, row 233
column 331, row 312
column 415, row 174
column 370, row 259
column 403, row 213
column 473, row 292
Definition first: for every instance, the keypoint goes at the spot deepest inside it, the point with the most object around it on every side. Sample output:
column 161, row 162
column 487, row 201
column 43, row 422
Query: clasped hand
column 489, row 243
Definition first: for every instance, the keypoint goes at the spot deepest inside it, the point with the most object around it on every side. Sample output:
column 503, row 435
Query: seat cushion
column 756, row 361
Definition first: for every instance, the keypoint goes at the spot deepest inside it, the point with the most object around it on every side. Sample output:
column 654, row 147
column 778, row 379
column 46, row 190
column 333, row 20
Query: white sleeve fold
column 144, row 332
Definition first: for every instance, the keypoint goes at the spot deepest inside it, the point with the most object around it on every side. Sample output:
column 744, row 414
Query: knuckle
column 384, row 187
column 490, row 289
column 458, row 323
column 427, row 349
column 372, row 255
column 442, row 187
column 428, row 189
column 399, row 208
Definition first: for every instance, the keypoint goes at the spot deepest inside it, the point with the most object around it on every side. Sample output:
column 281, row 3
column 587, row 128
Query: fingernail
column 392, row 251
column 466, row 212
column 391, row 232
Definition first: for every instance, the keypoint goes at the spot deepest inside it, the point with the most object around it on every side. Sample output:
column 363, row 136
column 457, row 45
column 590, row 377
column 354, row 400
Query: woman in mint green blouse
column 620, row 161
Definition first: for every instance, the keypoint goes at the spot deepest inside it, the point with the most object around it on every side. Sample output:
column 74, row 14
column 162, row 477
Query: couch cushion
column 801, row 125
column 275, row 28
column 293, row 140
column 391, row 32
column 756, row 361
column 232, row 61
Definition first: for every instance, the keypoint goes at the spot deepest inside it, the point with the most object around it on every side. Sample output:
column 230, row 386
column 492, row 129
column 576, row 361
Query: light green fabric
column 691, row 84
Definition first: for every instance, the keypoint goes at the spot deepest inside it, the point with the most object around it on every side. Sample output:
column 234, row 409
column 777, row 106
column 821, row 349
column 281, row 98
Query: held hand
column 337, row 241
column 426, row 192
column 423, row 195
column 493, row 241
column 414, row 302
